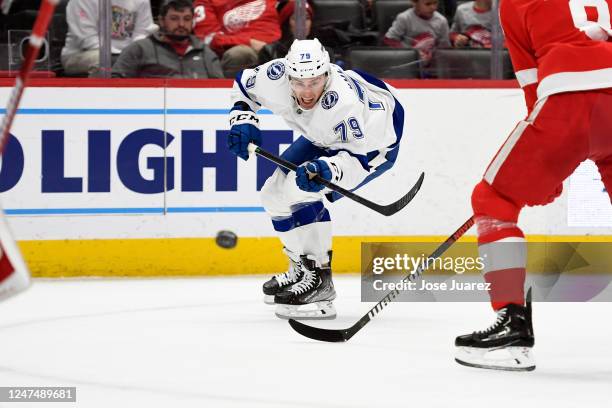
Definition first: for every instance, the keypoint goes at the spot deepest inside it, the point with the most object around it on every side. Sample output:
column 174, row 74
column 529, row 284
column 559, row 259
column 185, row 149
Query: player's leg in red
column 14, row 274
column 508, row 343
column 601, row 137
column 501, row 244
column 529, row 169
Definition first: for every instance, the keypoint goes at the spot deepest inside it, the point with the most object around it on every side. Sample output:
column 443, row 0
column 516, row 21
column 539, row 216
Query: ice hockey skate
column 310, row 298
column 506, row 345
column 284, row 280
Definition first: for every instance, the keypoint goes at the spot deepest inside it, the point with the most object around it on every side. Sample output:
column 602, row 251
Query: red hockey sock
column 506, row 287
column 501, row 244
column 504, row 259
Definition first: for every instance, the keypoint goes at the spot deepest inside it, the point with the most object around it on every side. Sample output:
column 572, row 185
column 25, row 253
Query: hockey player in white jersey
column 350, row 124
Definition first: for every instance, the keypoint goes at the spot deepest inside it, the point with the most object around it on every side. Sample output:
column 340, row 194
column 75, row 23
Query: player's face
column 308, row 91
column 177, row 22
column 425, row 8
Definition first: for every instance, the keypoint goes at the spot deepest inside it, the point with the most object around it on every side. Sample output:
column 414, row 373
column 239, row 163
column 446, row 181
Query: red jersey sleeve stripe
column 527, row 77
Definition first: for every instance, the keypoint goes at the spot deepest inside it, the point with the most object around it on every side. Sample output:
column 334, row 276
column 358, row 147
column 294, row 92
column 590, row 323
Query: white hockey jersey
column 357, row 119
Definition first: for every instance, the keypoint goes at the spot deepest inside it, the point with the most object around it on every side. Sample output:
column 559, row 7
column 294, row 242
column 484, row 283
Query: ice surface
column 212, row 342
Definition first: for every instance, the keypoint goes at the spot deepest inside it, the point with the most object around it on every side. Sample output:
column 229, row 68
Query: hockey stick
column 340, row 335
column 387, row 210
column 14, row 273
column 401, row 66
column 35, row 42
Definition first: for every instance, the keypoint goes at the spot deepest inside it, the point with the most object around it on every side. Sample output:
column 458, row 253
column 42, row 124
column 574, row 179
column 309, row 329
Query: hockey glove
column 306, row 172
column 244, row 130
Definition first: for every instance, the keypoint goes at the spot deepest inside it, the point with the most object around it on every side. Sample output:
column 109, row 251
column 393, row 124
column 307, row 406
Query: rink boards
column 133, row 178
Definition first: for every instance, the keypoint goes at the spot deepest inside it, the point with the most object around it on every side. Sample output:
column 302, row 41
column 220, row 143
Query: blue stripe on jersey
column 244, row 92
column 357, row 89
column 398, row 122
column 398, row 112
column 301, row 151
column 305, row 214
column 391, row 156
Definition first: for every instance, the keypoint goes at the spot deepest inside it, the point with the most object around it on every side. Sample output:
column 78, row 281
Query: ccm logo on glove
column 244, row 130
column 240, row 117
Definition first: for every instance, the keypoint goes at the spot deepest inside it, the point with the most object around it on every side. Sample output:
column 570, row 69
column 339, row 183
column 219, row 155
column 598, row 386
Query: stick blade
column 320, row 334
column 407, row 198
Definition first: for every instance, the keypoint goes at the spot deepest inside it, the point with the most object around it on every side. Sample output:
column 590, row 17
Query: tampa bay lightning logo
column 329, row 99
column 276, row 70
column 250, row 83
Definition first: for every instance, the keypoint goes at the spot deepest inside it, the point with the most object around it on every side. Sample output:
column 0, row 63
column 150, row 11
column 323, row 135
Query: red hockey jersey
column 558, row 45
column 225, row 23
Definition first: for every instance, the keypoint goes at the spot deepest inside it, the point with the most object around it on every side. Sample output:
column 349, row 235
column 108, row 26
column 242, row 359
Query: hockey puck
column 226, row 239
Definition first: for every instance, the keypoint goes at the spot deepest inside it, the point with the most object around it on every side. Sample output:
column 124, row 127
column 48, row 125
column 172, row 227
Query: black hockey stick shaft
column 387, row 210
column 340, row 335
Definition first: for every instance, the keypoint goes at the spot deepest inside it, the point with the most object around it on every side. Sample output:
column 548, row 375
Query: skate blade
column 269, row 300
column 312, row 311
column 512, row 358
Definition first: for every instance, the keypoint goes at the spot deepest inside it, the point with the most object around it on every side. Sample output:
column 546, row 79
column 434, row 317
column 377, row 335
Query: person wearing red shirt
column 237, row 30
column 562, row 54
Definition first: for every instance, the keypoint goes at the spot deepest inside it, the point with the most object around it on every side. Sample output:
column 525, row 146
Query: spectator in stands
column 286, row 16
column 420, row 27
column 368, row 6
column 237, row 30
column 472, row 25
column 131, row 20
column 173, row 52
